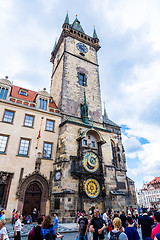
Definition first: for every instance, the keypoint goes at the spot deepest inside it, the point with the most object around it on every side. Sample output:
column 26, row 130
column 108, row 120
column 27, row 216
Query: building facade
column 58, row 152
column 29, row 127
column 149, row 195
column 90, row 165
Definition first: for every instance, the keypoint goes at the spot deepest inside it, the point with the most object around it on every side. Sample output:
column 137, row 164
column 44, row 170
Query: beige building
column 26, row 162
column 58, row 152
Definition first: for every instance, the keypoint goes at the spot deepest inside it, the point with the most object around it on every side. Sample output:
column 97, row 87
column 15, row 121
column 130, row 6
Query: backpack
column 110, row 225
column 31, row 234
column 50, row 236
column 114, row 236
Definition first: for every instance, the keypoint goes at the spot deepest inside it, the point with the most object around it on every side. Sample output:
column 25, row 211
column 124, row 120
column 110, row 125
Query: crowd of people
column 45, row 229
column 118, row 226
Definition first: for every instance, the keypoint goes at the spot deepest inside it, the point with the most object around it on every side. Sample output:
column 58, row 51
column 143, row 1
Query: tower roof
column 77, row 26
column 94, row 33
column 55, row 44
column 106, row 119
column 66, row 21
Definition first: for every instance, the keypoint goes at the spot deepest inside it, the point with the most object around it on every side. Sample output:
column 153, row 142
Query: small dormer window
column 43, row 104
column 23, row 92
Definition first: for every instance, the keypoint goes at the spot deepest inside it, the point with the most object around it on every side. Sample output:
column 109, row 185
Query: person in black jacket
column 38, row 235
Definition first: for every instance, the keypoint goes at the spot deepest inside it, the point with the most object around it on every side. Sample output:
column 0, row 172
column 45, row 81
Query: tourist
column 97, row 226
column 28, row 219
column 48, row 231
column 89, row 225
column 18, row 228
column 156, row 229
column 3, row 231
column 56, row 223
column 2, row 215
column 123, row 218
column 78, row 216
column 105, row 217
column 13, row 216
column 146, row 223
column 131, row 231
column 157, row 237
column 34, row 214
column 110, row 223
column 38, row 235
column 82, row 227
column 116, row 233
column 16, row 215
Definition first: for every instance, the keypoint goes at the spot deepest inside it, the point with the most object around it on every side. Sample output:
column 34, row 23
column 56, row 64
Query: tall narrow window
column 42, row 106
column 8, row 116
column 45, row 105
column 3, row 143
column 113, row 155
column 82, row 79
column 40, row 103
column 2, row 93
column 5, row 94
column 24, row 147
column 47, row 150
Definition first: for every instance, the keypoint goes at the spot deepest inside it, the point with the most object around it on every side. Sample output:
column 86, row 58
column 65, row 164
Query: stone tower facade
column 90, row 165
column 75, row 57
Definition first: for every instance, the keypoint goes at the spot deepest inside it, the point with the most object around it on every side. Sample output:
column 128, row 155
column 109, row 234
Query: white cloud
column 129, row 62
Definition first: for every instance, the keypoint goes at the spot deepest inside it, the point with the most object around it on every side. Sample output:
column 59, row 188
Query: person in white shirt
column 105, row 218
column 18, row 228
column 3, row 231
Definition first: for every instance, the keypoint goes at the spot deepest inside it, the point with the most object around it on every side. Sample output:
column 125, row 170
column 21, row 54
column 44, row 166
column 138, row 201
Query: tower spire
column 55, row 44
column 66, row 21
column 105, row 113
column 84, row 110
column 94, row 33
column 105, row 116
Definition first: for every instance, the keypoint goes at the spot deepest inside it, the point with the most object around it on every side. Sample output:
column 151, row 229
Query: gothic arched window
column 114, row 160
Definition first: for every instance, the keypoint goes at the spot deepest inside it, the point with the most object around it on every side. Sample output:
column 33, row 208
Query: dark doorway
column 32, row 199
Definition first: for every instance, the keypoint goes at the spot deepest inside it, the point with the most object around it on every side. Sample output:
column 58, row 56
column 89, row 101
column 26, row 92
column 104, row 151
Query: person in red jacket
column 156, row 229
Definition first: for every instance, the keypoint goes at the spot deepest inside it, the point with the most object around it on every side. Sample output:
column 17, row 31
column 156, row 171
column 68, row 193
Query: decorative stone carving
column 38, row 162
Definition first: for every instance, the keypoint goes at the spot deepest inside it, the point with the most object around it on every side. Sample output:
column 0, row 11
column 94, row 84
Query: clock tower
column 90, row 165
column 75, row 66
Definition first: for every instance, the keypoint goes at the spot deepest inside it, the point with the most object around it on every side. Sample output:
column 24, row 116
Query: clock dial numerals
column 90, row 162
column 92, row 188
column 58, row 176
column 82, row 48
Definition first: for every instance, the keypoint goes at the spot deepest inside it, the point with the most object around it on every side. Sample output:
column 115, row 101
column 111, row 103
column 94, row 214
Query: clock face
column 92, row 188
column 82, row 48
column 58, row 175
column 90, row 162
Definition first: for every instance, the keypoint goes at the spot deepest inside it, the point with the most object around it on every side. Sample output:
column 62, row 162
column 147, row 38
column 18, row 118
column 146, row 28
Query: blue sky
column 129, row 59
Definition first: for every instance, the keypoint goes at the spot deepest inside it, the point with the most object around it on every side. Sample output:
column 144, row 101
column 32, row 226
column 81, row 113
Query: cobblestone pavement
column 68, row 230
column 63, row 228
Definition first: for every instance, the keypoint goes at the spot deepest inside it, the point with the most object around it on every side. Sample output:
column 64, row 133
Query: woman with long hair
column 48, row 231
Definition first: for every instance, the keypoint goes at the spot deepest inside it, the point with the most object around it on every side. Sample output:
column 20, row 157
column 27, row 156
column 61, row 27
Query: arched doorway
column 33, row 192
column 32, row 199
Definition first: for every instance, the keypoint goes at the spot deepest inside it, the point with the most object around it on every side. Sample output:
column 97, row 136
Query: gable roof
column 31, row 95
column 155, row 180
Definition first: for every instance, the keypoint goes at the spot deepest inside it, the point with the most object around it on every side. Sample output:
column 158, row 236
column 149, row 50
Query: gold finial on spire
column 76, row 15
